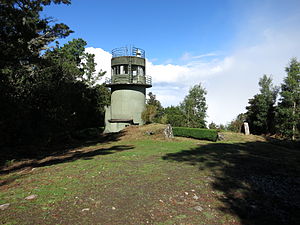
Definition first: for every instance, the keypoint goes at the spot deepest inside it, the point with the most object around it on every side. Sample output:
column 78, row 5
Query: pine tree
column 261, row 110
column 288, row 113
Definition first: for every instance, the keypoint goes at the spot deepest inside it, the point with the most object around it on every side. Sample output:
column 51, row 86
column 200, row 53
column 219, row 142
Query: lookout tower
column 128, row 85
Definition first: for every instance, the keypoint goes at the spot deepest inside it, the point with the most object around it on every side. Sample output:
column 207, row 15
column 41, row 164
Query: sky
column 226, row 45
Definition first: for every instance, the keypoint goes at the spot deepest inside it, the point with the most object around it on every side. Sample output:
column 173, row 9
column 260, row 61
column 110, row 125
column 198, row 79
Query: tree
column 222, row 127
column 288, row 112
column 23, row 34
column 212, row 125
column 152, row 101
column 194, row 107
column 174, row 115
column 261, row 110
column 149, row 113
column 237, row 124
column 44, row 91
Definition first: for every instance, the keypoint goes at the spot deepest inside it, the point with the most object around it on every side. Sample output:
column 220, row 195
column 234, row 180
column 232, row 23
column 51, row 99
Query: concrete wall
column 125, row 60
column 128, row 102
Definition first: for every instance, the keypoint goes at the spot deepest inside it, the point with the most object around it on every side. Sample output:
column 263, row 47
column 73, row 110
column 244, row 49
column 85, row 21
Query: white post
column 246, row 128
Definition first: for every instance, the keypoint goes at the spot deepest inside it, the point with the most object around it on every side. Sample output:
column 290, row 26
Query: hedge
column 198, row 133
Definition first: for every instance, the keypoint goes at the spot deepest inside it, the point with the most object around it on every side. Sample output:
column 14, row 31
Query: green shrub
column 198, row 133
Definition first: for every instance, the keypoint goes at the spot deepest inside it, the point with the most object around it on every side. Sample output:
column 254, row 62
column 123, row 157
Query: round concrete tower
column 128, row 85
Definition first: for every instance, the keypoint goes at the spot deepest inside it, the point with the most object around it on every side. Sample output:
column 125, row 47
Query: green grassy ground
column 158, row 182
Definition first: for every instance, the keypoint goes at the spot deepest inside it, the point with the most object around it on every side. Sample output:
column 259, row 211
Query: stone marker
column 198, row 208
column 168, row 132
column 221, row 137
column 246, row 128
column 4, row 206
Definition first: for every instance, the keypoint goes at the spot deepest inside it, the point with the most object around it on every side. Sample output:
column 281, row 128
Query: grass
column 145, row 181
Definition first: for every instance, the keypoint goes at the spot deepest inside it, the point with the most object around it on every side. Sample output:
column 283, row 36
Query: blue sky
column 165, row 29
column 226, row 45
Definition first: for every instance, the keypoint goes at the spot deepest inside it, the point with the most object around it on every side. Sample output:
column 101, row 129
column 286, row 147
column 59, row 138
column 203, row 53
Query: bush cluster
column 198, row 133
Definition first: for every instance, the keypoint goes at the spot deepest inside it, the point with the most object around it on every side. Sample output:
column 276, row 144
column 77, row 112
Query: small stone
column 85, row 209
column 193, row 190
column 149, row 132
column 220, row 137
column 30, row 197
column 113, row 208
column 195, row 197
column 161, row 200
column 4, row 206
column 198, row 208
column 186, row 193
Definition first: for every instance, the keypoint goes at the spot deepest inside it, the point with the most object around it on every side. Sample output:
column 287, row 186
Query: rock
column 221, row 137
column 246, row 128
column 149, row 133
column 30, row 197
column 195, row 197
column 198, row 208
column 168, row 132
column 113, row 208
column 85, row 209
column 186, row 193
column 4, row 206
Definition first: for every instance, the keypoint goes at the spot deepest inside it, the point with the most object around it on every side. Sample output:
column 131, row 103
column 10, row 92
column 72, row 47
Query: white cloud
column 188, row 56
column 230, row 81
column 102, row 58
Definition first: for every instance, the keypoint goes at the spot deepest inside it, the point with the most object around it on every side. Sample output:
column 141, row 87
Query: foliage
column 23, row 34
column 174, row 115
column 194, row 107
column 149, row 114
column 42, row 95
column 236, row 124
column 261, row 110
column 198, row 133
column 212, row 125
column 222, row 127
column 288, row 111
column 154, row 103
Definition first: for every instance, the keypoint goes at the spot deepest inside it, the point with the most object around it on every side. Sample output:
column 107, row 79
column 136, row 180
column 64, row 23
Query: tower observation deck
column 128, row 66
column 128, row 85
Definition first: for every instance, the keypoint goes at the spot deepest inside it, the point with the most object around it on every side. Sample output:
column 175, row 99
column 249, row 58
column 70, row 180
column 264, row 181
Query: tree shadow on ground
column 31, row 156
column 260, row 181
column 67, row 157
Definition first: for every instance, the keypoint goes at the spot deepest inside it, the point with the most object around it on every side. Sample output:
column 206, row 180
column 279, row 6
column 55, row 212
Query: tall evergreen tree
column 44, row 90
column 261, row 110
column 288, row 113
column 156, row 103
column 194, row 106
